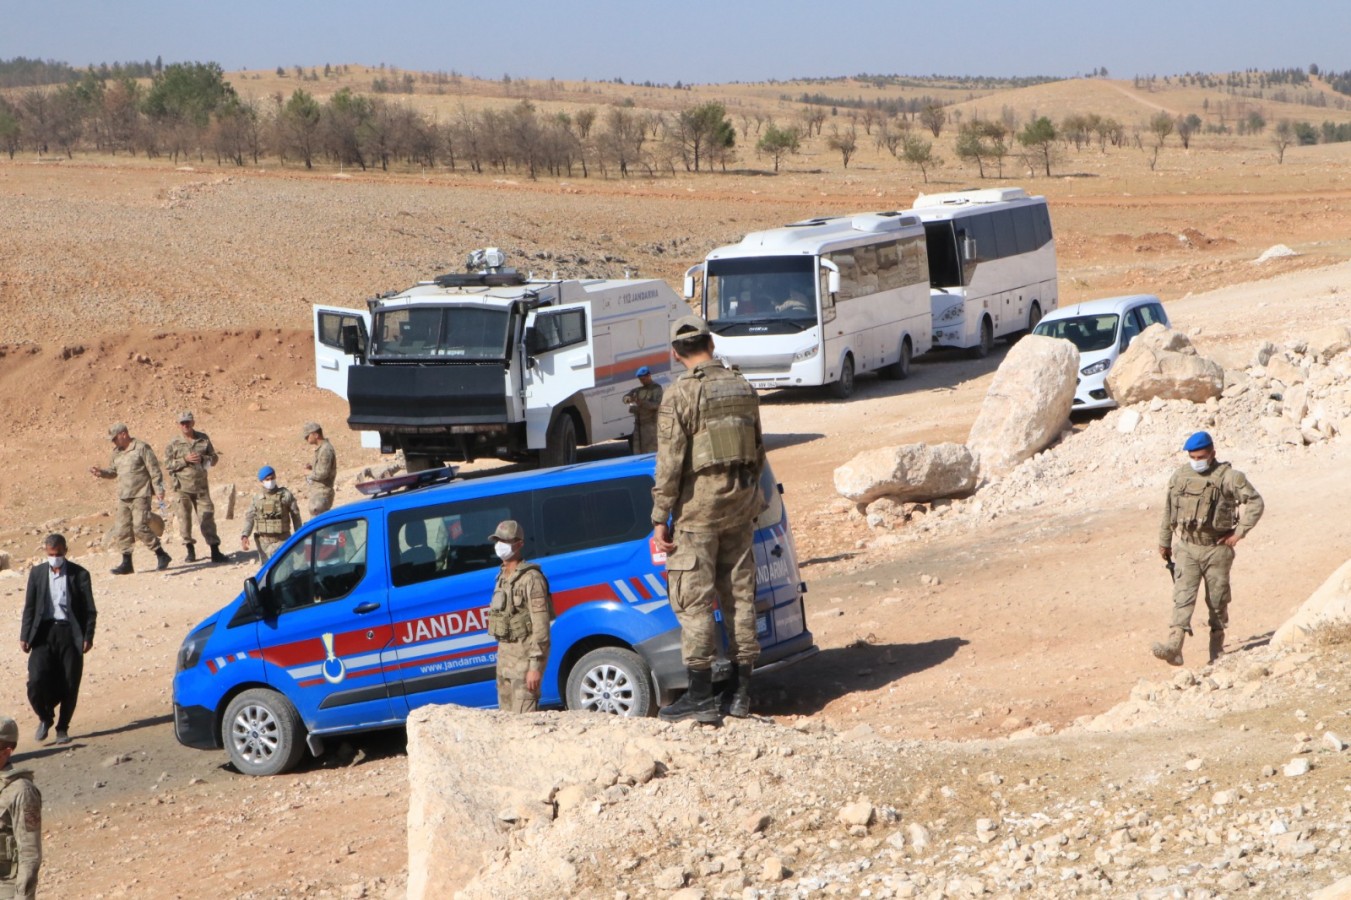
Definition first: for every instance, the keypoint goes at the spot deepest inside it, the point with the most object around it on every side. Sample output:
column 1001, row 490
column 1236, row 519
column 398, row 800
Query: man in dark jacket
column 57, row 631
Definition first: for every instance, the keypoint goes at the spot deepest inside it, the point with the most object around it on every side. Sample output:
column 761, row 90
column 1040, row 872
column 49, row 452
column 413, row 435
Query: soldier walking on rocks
column 519, row 617
column 323, row 471
column 20, row 821
column 644, row 402
column 1211, row 507
column 272, row 517
column 138, row 474
column 710, row 452
column 187, row 458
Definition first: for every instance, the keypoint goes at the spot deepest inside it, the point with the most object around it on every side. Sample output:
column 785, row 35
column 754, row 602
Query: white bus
column 991, row 264
column 820, row 301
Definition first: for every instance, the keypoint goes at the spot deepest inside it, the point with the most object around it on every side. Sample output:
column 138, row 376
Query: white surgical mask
column 504, row 550
column 1200, row 465
column 56, row 562
column 270, row 484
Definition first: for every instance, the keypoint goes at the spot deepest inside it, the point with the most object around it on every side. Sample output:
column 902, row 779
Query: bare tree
column 1282, row 137
column 920, row 153
column 846, row 142
column 1161, row 125
column 933, row 118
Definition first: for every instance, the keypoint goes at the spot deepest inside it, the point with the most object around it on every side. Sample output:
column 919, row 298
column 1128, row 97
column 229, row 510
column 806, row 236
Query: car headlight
column 806, row 354
column 191, row 651
column 1101, row 365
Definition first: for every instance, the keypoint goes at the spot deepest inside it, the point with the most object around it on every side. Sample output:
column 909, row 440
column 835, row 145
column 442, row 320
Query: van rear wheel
column 611, row 680
column 262, row 733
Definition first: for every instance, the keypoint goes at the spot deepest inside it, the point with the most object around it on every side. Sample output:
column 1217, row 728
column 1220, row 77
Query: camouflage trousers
column 268, row 544
column 133, row 519
column 644, row 436
column 321, row 498
column 512, row 666
column 188, row 503
column 1196, row 563
column 708, row 568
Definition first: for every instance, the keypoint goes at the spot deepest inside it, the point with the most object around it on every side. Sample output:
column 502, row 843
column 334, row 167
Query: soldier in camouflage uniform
column 1211, row 506
column 519, row 618
column 272, row 517
column 138, row 475
column 710, row 453
column 644, row 402
column 323, row 471
column 20, row 821
column 187, row 459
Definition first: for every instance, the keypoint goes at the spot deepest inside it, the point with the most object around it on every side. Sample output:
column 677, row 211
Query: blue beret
column 1199, row 441
column 266, row 472
column 643, row 371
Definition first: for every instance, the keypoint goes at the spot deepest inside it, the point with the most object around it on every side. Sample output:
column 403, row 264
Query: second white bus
column 991, row 264
column 820, row 301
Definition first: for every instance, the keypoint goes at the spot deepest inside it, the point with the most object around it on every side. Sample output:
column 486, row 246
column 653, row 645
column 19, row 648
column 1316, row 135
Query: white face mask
column 1200, row 465
column 56, row 562
column 504, row 550
column 270, row 485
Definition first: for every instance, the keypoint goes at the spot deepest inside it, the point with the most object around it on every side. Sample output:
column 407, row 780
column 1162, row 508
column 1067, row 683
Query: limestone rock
column 4, row 560
column 1028, row 403
column 1330, row 341
column 223, row 497
column 1162, row 363
column 1285, row 370
column 1296, row 767
column 1331, row 603
column 860, row 813
column 1338, row 890
column 908, row 472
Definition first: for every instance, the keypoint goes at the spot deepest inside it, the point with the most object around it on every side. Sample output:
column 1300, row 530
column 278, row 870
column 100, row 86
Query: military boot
column 216, row 555
column 697, row 703
column 740, row 705
column 1171, row 652
column 125, row 568
column 162, row 559
column 192, row 553
column 1216, row 645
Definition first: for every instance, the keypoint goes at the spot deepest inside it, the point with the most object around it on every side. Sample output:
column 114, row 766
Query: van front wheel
column 611, row 680
column 262, row 733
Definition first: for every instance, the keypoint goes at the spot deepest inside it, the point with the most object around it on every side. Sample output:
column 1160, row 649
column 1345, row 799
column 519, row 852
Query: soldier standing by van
column 272, row 517
column 1212, row 507
column 20, row 821
column 709, row 456
column 137, row 472
column 644, row 402
column 519, row 618
column 323, row 471
column 188, row 457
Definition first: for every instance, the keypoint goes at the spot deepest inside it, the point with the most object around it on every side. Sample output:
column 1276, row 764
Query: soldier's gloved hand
column 1166, row 553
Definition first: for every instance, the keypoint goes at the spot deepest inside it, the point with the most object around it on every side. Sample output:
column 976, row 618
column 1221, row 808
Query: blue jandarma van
column 378, row 607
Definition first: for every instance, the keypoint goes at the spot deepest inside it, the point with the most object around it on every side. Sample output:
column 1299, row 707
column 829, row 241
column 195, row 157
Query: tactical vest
column 511, row 622
column 727, row 412
column 1200, row 502
column 272, row 517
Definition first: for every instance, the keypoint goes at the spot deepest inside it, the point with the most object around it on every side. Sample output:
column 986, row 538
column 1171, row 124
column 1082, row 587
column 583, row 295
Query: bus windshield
column 1088, row 333
column 445, row 332
column 760, row 295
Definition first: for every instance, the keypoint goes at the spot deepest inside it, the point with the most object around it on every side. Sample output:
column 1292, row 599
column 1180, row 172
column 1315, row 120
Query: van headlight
column 1101, row 365
column 191, row 651
column 807, row 353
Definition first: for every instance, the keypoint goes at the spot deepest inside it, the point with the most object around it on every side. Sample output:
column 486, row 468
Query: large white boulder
column 1028, row 403
column 913, row 472
column 1330, row 341
column 1162, row 363
column 1330, row 604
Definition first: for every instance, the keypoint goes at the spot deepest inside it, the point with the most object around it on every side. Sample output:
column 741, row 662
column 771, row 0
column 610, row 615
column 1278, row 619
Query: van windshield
column 760, row 295
column 1088, row 333
column 448, row 332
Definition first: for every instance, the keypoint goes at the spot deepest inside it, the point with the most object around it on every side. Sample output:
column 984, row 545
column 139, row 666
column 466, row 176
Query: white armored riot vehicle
column 491, row 363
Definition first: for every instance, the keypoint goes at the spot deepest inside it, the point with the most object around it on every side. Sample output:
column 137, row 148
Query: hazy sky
column 693, row 41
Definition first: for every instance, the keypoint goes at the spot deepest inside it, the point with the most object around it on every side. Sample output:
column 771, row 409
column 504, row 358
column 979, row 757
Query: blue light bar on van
column 411, row 481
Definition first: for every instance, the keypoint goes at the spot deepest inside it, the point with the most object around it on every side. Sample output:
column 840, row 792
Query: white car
column 1102, row 330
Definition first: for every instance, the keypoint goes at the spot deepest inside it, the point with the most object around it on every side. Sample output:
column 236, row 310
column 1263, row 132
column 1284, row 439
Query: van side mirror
column 259, row 599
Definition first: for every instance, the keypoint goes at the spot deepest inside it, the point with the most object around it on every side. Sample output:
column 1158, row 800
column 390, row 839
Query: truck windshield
column 442, row 332
column 765, row 294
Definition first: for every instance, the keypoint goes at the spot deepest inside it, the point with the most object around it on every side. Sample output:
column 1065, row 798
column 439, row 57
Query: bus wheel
column 844, row 388
column 986, row 345
column 1033, row 317
column 900, row 368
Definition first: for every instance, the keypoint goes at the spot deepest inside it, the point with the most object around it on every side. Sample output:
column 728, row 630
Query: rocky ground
column 132, row 291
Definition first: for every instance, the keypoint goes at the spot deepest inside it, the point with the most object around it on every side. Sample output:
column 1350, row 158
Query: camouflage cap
column 9, row 731
column 309, row 428
column 185, row 416
column 509, row 531
column 688, row 327
column 116, row 428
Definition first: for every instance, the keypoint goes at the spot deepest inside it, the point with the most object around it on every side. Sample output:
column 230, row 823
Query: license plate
column 764, row 385
column 762, row 625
